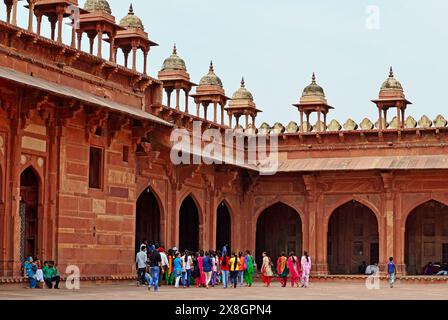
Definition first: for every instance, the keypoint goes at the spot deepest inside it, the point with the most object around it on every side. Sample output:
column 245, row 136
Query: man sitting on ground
column 51, row 275
column 372, row 269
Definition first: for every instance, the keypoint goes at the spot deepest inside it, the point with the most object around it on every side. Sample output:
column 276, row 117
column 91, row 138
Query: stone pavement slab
column 317, row 291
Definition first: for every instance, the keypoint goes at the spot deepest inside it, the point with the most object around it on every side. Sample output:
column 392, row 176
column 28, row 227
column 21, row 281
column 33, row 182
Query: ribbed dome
column 242, row 93
column 174, row 62
column 313, row 90
column 132, row 21
column 97, row 5
column 391, row 82
column 210, row 79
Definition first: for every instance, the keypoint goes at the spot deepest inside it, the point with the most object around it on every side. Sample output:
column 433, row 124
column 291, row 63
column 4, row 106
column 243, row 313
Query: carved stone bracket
column 115, row 123
column 95, row 119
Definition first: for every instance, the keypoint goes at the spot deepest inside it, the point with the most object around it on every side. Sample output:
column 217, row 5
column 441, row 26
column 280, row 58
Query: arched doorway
column 189, row 225
column 353, row 238
column 147, row 219
column 29, row 207
column 279, row 229
column 223, row 227
column 426, row 236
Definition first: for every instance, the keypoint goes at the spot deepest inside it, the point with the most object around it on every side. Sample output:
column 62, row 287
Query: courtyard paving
column 317, row 291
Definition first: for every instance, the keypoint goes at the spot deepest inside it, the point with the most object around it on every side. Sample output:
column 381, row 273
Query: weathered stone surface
column 440, row 122
column 278, row 128
column 264, row 129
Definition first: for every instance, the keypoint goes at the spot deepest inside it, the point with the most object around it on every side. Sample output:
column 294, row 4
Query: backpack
column 390, row 267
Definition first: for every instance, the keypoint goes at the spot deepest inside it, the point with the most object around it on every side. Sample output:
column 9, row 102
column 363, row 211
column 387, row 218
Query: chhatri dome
column 391, row 83
column 97, row 5
column 242, row 93
column 132, row 21
column 313, row 92
column 174, row 62
column 210, row 79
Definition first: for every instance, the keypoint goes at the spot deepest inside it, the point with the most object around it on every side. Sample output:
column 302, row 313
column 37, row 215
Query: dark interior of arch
column 279, row 229
column 189, row 225
column 426, row 236
column 353, row 238
column 147, row 219
column 223, row 228
column 29, row 194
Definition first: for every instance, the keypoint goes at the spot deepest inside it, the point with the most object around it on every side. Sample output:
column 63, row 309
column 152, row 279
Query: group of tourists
column 297, row 270
column 438, row 269
column 39, row 274
column 215, row 268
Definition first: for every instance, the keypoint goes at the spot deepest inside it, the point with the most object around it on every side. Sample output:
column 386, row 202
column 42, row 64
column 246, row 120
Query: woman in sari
column 249, row 271
column 306, row 269
column 266, row 270
column 282, row 269
column 294, row 269
column 201, row 269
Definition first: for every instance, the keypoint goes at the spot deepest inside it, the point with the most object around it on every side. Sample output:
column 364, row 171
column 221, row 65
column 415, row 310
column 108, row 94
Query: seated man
column 372, row 269
column 444, row 270
column 427, row 270
column 51, row 275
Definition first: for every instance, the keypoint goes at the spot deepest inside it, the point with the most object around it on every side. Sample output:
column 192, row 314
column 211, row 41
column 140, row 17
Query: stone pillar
column 380, row 122
column 112, row 46
column 73, row 44
column 198, row 109
column 134, row 58
column 100, row 44
column 168, row 96
column 187, row 92
column 126, row 57
column 222, row 113
column 30, row 15
column 60, row 12
column 79, row 34
column 387, row 225
column 8, row 11
column 319, row 128
column 53, row 20
column 301, row 122
column 92, row 42
column 177, row 99
column 215, row 112
column 14, row 12
column 145, row 61
column 39, row 23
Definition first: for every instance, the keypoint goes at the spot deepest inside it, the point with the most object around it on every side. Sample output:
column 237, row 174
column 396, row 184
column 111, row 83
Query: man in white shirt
column 372, row 269
column 164, row 262
column 140, row 260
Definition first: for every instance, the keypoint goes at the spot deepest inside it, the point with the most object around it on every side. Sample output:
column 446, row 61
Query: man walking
column 140, row 260
column 155, row 262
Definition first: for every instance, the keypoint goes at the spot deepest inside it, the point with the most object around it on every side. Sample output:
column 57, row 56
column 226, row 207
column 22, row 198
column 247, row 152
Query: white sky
column 277, row 44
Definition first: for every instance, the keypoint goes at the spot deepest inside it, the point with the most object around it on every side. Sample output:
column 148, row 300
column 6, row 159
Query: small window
column 95, row 167
column 125, row 154
column 99, row 132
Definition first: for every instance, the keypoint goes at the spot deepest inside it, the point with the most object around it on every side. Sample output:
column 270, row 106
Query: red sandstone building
column 85, row 170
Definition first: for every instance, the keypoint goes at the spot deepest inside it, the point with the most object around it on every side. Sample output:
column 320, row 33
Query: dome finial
column 243, row 84
column 131, row 9
column 211, row 68
column 174, row 49
column 313, row 78
column 391, row 73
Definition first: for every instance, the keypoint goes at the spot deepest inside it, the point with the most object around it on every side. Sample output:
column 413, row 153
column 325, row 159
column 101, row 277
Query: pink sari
column 201, row 271
column 294, row 271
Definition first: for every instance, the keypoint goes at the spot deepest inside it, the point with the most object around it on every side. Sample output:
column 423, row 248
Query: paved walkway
column 317, row 291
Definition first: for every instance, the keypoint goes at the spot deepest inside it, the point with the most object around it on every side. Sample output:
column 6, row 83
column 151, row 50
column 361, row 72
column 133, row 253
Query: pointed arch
column 279, row 228
column 148, row 218
column 224, row 221
column 352, row 237
column 189, row 224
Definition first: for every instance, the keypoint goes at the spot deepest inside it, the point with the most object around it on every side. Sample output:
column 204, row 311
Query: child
column 391, row 270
